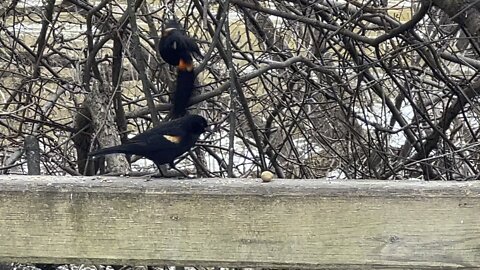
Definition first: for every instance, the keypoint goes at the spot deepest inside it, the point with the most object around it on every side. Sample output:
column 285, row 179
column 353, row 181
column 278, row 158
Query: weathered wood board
column 240, row 222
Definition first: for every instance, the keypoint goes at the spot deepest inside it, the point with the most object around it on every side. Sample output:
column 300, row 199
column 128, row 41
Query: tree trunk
column 98, row 102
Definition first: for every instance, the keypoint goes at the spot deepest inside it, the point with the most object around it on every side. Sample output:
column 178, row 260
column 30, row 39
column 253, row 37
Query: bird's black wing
column 180, row 42
column 191, row 45
column 170, row 128
column 147, row 144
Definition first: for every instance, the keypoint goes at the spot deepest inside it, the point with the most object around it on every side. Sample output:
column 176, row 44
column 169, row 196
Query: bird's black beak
column 168, row 30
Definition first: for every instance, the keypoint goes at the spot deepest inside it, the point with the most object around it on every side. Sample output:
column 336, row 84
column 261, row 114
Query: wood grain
column 240, row 222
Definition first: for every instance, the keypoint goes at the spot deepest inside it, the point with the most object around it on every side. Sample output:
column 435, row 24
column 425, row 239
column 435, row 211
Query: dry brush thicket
column 307, row 89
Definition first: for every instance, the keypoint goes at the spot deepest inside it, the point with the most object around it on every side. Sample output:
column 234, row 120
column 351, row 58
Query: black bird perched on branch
column 175, row 47
column 183, row 92
column 164, row 143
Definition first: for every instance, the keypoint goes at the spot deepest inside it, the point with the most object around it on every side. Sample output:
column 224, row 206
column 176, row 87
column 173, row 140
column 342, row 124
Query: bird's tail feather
column 110, row 150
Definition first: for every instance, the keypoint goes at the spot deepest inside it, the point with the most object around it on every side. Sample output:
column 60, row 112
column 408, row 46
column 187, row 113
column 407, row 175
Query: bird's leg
column 172, row 166
column 160, row 173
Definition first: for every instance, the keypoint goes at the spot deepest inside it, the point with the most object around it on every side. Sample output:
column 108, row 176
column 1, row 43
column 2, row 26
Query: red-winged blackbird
column 164, row 143
column 175, row 47
column 183, row 92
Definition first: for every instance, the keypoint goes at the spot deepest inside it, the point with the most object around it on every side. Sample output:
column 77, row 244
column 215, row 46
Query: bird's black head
column 170, row 26
column 195, row 124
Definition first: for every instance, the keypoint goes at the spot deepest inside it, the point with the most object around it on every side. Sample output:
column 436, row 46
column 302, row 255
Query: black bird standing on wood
column 175, row 47
column 164, row 143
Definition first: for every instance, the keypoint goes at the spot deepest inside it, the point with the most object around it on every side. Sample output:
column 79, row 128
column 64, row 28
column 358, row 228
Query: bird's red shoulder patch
column 184, row 65
column 173, row 139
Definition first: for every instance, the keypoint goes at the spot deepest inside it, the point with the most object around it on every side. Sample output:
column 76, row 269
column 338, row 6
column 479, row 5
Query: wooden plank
column 240, row 222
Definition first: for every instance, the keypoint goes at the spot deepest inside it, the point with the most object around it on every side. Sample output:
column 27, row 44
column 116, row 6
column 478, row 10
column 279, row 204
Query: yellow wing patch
column 173, row 139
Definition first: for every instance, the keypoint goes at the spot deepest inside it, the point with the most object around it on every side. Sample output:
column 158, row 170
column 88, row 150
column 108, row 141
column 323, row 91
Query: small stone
column 266, row 176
